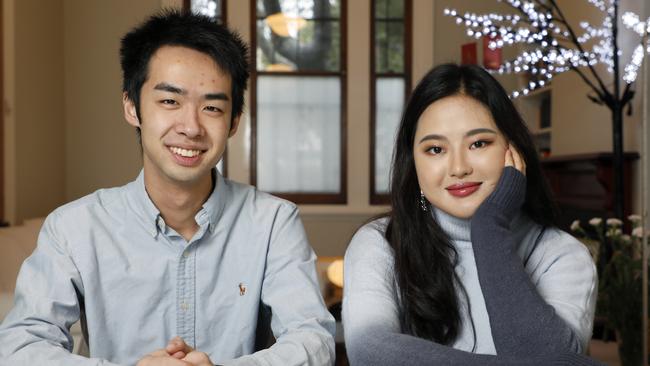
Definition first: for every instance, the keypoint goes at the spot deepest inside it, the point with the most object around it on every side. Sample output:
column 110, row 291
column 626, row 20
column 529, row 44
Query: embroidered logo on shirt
column 242, row 289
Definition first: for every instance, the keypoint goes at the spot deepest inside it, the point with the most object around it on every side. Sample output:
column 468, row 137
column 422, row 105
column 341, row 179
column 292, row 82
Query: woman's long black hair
column 424, row 256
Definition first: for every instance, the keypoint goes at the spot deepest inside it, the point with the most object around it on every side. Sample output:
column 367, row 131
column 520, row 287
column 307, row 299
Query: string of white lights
column 549, row 47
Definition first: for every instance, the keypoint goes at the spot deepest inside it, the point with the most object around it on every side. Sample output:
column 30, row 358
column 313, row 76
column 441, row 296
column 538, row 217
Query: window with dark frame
column 390, row 84
column 298, row 98
column 215, row 9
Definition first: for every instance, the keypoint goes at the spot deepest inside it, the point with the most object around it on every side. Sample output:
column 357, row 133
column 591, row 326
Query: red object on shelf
column 491, row 58
column 468, row 54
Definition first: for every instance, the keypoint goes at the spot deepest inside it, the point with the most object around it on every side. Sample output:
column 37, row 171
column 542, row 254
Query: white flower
column 614, row 222
column 575, row 225
column 613, row 232
column 595, row 221
column 634, row 218
column 637, row 232
column 626, row 238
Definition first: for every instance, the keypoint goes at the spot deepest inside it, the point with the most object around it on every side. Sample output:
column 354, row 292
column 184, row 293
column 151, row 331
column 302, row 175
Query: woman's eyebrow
column 432, row 137
column 479, row 130
column 469, row 133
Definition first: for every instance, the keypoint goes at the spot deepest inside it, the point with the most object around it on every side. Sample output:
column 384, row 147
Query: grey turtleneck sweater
column 531, row 293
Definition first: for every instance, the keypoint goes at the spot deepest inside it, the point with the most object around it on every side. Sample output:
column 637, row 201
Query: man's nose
column 189, row 124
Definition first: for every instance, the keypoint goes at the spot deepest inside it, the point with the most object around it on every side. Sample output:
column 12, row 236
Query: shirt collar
column 149, row 213
column 214, row 205
column 142, row 204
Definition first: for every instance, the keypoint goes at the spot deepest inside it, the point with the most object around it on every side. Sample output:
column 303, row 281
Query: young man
column 181, row 253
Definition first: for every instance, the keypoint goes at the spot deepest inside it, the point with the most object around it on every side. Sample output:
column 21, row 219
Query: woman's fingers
column 513, row 156
column 509, row 158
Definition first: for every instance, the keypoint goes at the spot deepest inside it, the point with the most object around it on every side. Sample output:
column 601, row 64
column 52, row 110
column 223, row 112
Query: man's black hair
column 184, row 29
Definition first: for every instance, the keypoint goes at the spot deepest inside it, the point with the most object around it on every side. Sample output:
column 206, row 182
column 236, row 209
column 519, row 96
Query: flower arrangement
column 619, row 261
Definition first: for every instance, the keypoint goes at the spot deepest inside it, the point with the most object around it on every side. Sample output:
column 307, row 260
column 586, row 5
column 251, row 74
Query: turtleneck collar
column 457, row 229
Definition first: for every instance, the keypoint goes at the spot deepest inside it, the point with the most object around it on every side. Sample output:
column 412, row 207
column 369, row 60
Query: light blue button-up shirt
column 110, row 260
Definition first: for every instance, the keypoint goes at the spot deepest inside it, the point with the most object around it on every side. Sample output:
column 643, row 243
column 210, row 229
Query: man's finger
column 159, row 353
column 198, row 359
column 177, row 344
column 162, row 361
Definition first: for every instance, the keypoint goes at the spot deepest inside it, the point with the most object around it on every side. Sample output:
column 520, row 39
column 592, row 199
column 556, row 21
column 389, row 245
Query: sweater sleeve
column 522, row 322
column 371, row 317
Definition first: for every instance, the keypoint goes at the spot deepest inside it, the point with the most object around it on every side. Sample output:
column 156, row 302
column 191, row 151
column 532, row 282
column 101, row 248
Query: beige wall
column 34, row 107
column 101, row 149
column 448, row 36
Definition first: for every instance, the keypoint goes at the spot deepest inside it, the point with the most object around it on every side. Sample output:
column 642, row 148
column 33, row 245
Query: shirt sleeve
column 46, row 304
column 372, row 323
column 303, row 328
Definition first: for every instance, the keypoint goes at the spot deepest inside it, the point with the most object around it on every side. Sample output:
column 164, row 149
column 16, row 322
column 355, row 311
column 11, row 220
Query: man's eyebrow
column 170, row 88
column 176, row 90
column 216, row 96
column 469, row 133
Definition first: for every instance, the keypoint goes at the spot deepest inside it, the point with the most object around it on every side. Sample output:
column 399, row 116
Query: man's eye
column 168, row 101
column 212, row 109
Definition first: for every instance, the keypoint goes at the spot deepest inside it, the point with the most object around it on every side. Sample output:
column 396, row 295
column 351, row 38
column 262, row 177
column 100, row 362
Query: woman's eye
column 479, row 144
column 435, row 150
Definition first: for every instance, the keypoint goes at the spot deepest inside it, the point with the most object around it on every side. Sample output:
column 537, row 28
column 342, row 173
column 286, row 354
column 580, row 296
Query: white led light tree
column 550, row 46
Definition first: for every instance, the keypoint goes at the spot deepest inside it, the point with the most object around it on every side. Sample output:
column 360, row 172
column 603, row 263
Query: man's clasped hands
column 176, row 353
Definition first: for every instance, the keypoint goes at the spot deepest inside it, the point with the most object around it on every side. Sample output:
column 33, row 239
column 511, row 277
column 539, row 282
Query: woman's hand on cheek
column 509, row 194
column 514, row 159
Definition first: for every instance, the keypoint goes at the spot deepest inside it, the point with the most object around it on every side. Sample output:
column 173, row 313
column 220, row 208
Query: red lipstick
column 463, row 189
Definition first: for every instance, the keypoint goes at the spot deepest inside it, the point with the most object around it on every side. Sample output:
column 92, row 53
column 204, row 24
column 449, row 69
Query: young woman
column 468, row 267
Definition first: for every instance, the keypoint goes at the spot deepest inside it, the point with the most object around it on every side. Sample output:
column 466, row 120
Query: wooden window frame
column 384, row 198
column 187, row 6
column 303, row 197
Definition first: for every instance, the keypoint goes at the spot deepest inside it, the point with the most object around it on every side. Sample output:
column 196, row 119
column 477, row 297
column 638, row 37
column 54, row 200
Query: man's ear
column 130, row 113
column 233, row 126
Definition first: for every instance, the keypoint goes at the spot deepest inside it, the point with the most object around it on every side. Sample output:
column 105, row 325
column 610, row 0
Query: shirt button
column 184, row 306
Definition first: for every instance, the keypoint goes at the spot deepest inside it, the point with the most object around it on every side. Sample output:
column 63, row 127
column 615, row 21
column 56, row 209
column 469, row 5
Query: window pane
column 388, row 111
column 307, row 9
column 389, row 47
column 211, row 8
column 298, row 35
column 381, row 8
column 396, row 47
column 298, row 134
column 381, row 47
column 389, row 9
column 396, row 8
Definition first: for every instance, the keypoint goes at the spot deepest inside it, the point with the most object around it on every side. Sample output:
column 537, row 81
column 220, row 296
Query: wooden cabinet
column 583, row 185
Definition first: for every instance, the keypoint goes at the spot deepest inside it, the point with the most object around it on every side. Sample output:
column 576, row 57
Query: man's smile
column 187, row 153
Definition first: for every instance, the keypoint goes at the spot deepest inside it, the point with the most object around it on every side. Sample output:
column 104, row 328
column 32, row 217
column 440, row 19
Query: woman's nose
column 459, row 166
